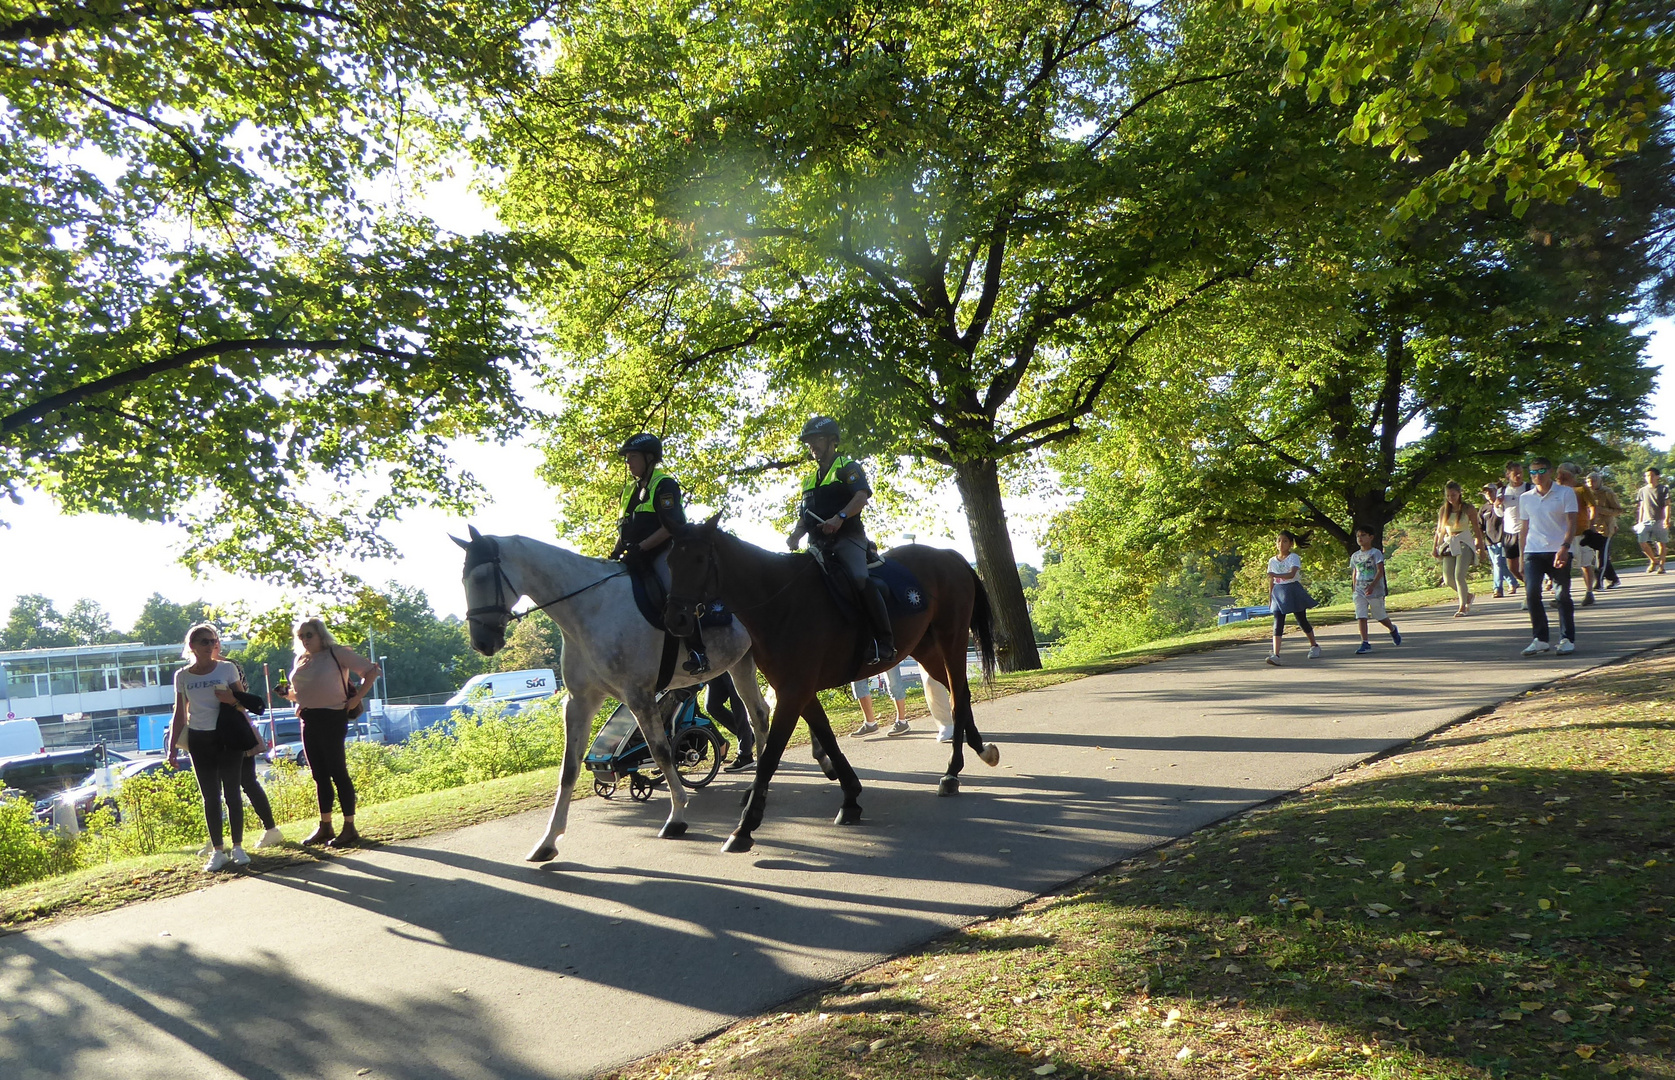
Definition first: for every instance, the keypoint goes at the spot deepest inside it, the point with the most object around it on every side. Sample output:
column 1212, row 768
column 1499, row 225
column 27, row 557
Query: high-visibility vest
column 814, row 480
column 816, row 498
column 646, row 507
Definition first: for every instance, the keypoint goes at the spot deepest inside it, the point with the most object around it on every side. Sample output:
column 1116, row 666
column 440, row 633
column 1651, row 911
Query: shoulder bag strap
column 341, row 674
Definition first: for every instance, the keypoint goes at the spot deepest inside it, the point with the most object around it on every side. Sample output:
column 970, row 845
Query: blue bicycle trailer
column 619, row 751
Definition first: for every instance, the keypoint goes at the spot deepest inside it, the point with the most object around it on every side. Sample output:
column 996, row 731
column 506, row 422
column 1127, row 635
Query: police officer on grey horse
column 833, row 497
column 651, row 515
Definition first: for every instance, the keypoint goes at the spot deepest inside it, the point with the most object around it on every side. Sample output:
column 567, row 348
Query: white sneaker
column 217, row 861
column 1314, row 652
column 272, row 838
column 203, row 852
column 945, row 733
column 1273, row 659
column 864, row 730
column 1566, row 646
column 1536, row 647
column 900, row 727
column 238, row 857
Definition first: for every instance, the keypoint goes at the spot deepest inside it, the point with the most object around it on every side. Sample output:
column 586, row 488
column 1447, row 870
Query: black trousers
column 1539, row 564
column 323, row 732
column 253, row 792
column 726, row 708
column 1302, row 622
column 217, row 770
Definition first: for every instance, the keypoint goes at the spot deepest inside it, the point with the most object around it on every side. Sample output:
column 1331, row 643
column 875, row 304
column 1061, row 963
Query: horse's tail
column 982, row 624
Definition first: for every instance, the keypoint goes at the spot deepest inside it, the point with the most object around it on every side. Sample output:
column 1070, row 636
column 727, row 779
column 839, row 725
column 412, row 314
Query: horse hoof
column 543, row 853
column 828, row 768
column 990, row 755
column 737, row 845
column 672, row 830
column 848, row 815
column 948, row 785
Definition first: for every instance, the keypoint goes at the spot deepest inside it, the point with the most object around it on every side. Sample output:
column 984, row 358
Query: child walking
column 1287, row 596
column 1366, row 568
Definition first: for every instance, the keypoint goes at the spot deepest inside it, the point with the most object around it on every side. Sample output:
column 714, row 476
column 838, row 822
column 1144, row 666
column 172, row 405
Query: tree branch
column 45, row 27
column 174, row 362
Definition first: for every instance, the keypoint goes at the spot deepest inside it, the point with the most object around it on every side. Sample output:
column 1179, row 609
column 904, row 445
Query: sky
column 119, row 563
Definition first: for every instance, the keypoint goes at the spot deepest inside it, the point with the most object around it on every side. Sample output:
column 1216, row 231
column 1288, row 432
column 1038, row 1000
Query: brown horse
column 804, row 642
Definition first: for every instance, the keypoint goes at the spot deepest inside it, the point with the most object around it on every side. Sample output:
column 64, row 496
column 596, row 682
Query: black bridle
column 502, row 583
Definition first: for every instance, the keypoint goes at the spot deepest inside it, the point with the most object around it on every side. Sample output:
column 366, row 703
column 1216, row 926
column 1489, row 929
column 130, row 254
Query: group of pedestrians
column 1534, row 533
column 206, row 723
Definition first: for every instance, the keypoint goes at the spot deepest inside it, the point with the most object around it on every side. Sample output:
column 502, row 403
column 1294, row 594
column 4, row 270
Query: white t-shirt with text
column 203, row 708
column 1286, row 569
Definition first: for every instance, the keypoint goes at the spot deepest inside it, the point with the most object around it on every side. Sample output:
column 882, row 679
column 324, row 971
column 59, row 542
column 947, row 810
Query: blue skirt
column 1290, row 597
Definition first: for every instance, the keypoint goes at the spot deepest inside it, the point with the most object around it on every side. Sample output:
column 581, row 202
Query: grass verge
column 1497, row 900
column 125, row 881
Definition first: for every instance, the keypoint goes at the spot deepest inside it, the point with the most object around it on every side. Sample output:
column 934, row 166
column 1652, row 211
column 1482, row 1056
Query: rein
column 502, row 582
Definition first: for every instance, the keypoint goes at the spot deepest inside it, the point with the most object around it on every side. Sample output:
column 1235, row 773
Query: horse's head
column 694, row 577
column 489, row 594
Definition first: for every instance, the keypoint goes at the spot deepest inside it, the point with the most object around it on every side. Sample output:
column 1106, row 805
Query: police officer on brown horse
column 651, row 515
column 833, row 497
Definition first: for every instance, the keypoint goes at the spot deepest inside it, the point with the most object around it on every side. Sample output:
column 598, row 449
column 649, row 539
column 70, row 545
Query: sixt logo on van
column 532, row 683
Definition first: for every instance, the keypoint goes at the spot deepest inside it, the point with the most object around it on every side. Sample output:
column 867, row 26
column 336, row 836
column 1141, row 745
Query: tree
column 34, row 623
column 88, row 624
column 535, row 643
column 163, row 622
column 1562, row 92
column 202, row 309
column 949, row 225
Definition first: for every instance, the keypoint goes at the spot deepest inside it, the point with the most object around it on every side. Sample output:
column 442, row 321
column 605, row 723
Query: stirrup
column 882, row 653
column 698, row 665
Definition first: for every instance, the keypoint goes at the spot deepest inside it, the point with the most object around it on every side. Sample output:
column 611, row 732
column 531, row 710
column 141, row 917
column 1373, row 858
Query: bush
column 155, row 813
column 29, row 852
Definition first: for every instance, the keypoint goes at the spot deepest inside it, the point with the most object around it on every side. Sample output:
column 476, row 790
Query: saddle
column 903, row 595
column 652, row 598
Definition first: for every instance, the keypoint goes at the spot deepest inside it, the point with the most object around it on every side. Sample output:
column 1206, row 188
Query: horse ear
column 475, row 535
column 462, row 543
column 712, row 521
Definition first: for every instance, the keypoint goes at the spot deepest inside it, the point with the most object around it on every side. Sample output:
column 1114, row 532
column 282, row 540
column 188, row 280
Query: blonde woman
column 320, row 687
column 200, row 689
column 1458, row 537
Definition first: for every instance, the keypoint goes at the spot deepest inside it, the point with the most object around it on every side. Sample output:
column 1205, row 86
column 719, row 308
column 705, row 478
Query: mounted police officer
column 651, row 513
column 833, row 498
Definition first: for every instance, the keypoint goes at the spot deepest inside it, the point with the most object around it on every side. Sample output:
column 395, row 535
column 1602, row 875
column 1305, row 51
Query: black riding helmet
column 646, row 443
column 819, row 425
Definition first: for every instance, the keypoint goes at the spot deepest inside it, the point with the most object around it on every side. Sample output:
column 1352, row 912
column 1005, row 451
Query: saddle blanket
column 903, row 595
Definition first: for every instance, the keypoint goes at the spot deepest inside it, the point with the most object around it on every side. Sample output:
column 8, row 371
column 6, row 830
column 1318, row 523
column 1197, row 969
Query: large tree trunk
column 979, row 484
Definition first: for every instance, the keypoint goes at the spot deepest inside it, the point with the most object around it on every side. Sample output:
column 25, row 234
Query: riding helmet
column 819, row 425
column 646, row 443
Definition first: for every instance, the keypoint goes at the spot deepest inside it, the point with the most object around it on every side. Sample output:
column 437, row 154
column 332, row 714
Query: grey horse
column 609, row 651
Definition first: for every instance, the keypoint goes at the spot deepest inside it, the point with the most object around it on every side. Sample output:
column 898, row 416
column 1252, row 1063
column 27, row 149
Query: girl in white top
column 201, row 688
column 1458, row 536
column 1287, row 596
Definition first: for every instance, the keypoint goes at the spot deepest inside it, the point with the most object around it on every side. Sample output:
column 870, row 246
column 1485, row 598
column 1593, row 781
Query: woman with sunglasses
column 200, row 689
column 324, row 697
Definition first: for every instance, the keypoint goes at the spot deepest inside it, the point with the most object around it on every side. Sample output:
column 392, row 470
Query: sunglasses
column 305, row 635
column 1538, row 472
column 206, row 641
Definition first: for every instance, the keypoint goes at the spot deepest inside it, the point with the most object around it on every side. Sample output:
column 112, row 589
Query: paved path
column 452, row 958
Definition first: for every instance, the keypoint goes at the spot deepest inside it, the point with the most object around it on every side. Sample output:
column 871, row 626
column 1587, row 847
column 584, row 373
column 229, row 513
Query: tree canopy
column 206, row 302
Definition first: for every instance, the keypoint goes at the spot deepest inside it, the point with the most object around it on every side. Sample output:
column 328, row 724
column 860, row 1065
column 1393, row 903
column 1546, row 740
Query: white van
column 507, row 686
column 19, row 737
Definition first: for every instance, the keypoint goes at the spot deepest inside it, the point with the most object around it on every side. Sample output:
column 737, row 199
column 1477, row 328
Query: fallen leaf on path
column 1560, row 1015
column 1186, row 1052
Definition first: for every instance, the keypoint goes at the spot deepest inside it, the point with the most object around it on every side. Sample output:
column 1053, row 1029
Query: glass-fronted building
column 90, row 693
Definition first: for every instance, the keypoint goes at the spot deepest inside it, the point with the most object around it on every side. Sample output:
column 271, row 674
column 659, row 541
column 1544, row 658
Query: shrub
column 154, row 813
column 29, row 852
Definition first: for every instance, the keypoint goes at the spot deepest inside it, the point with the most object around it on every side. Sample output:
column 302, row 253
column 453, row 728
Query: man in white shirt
column 1547, row 522
column 1506, row 503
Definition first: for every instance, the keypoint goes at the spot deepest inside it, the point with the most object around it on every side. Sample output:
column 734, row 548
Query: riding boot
column 872, row 596
column 700, row 662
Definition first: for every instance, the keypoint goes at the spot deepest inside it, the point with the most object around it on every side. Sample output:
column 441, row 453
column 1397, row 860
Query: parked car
column 85, row 796
column 19, row 737
column 48, row 773
column 359, row 731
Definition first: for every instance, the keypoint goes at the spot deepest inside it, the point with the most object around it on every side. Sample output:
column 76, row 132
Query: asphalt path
column 450, row 957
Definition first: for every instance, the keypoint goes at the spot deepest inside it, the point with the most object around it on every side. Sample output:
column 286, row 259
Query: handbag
column 358, row 707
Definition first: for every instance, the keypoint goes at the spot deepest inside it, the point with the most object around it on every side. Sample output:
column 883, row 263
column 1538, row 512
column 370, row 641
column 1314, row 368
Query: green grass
column 1496, row 900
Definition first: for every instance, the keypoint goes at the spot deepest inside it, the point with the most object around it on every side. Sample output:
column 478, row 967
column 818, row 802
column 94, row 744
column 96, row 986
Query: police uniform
column 825, row 493
column 648, row 506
